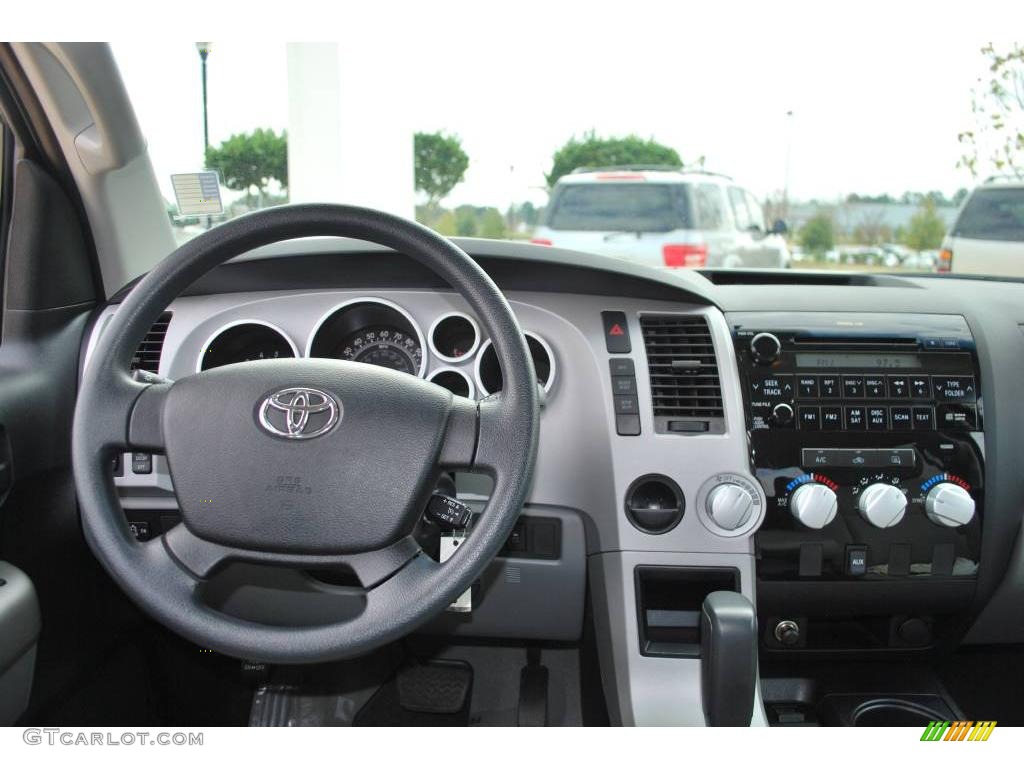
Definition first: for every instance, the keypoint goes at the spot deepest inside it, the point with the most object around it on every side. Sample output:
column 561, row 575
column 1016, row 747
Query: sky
column 877, row 93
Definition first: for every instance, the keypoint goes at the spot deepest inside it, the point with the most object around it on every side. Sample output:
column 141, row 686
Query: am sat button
column 855, row 417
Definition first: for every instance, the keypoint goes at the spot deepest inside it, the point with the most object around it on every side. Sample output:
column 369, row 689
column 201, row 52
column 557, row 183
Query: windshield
column 819, row 158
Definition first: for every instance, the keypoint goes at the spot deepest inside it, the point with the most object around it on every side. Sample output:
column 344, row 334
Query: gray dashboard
column 584, row 467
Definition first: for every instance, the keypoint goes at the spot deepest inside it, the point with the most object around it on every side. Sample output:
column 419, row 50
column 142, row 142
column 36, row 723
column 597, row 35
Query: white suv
column 661, row 217
column 988, row 235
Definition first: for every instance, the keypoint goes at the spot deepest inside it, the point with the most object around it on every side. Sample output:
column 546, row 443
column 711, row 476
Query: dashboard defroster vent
column 685, row 388
column 147, row 356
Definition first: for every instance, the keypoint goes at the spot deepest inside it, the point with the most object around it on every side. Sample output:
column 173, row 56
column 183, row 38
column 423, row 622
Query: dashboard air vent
column 147, row 357
column 685, row 389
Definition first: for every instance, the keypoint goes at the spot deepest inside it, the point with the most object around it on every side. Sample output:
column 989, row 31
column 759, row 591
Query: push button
column 920, row 388
column 901, row 417
column 807, row 386
column 954, row 389
column 142, row 463
column 616, row 333
column 878, row 418
column 956, row 416
column 830, row 387
column 623, row 385
column 899, row 387
column 627, row 425
column 831, row 417
column 874, row 387
column 621, row 366
column 626, row 404
column 853, row 387
column 855, row 418
column 856, row 559
column 810, row 417
column 771, row 389
column 924, row 418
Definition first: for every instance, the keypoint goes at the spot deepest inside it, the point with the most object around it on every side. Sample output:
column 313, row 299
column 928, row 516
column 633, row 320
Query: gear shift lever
column 728, row 658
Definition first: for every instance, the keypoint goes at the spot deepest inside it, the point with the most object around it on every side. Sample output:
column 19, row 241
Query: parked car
column 662, row 217
column 988, row 234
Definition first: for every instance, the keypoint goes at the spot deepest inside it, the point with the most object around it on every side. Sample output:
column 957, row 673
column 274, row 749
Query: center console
column 866, row 435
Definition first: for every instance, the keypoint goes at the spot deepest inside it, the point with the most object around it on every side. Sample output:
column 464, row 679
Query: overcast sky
column 877, row 95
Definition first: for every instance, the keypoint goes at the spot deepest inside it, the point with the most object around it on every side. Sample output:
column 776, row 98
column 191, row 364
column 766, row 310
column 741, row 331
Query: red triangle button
column 616, row 330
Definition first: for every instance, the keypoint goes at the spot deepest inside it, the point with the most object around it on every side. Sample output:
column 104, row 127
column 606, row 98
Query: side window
column 709, row 206
column 756, row 212
column 738, row 201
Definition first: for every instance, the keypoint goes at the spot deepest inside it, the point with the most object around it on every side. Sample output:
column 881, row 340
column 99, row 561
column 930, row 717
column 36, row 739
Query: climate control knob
column 950, row 505
column 813, row 505
column 882, row 505
column 729, row 505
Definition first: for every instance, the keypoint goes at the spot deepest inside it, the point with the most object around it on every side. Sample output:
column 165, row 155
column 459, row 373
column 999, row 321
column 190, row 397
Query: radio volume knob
column 882, row 505
column 813, row 505
column 949, row 505
column 729, row 505
column 765, row 347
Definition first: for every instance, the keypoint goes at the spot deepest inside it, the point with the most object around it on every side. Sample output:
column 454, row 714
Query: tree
column 871, row 229
column 925, row 229
column 440, row 164
column 995, row 144
column 593, row 151
column 251, row 160
column 818, row 234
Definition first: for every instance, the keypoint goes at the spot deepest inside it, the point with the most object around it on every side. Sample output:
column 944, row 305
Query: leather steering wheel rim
column 117, row 412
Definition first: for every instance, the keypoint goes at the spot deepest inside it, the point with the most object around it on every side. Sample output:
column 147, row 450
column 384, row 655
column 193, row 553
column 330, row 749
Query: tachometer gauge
column 386, row 347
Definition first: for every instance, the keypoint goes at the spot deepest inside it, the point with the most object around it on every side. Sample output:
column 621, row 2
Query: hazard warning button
column 616, row 332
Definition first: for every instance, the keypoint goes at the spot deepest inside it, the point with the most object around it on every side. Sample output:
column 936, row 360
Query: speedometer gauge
column 383, row 346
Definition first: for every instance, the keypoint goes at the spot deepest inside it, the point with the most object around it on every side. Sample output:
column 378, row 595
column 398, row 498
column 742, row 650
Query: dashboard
column 841, row 449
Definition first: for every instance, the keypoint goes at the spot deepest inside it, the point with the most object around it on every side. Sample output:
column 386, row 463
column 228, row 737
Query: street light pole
column 789, row 151
column 204, row 51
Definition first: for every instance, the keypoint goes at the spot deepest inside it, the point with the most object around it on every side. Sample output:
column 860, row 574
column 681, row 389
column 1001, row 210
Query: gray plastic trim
column 449, row 369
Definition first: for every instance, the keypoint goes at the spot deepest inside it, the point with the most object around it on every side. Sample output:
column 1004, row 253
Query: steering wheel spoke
column 202, row 558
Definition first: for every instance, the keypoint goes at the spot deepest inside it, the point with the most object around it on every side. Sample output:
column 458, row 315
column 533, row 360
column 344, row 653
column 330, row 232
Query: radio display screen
column 857, row 360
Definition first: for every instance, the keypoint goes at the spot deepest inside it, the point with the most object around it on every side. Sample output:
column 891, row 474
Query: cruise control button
column 878, row 418
column 954, row 389
column 853, row 387
column 855, row 417
column 901, row 418
column 924, row 418
column 830, row 387
column 899, row 387
column 807, row 386
column 831, row 417
column 920, row 388
column 810, row 417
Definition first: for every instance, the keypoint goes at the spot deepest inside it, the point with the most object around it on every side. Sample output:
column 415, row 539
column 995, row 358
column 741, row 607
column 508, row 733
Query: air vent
column 147, row 357
column 685, row 389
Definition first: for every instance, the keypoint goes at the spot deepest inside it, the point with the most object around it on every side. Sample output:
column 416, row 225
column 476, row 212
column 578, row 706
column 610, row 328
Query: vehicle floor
column 150, row 677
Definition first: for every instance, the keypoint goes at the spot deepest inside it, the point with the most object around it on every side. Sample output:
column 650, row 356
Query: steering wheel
column 307, row 464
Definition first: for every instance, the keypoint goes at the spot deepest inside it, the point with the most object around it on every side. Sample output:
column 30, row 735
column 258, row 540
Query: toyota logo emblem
column 299, row 413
